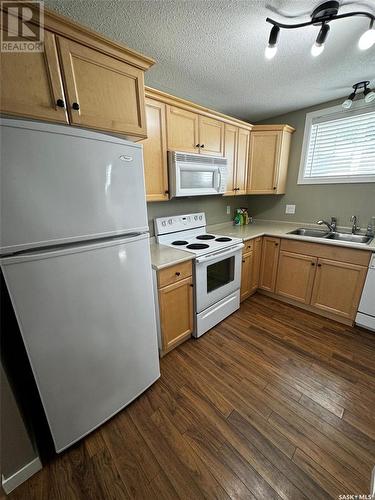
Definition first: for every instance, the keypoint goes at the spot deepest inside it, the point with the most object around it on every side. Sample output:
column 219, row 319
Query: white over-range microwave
column 195, row 175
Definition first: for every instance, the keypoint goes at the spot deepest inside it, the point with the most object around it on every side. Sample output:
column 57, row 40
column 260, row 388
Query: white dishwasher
column 366, row 310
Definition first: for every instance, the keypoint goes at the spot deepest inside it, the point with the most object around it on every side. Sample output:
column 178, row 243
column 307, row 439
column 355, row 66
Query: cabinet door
column 264, row 160
column 247, row 264
column 155, row 152
column 182, row 130
column 176, row 312
column 242, row 160
column 269, row 261
column 211, row 136
column 295, row 276
column 103, row 93
column 338, row 287
column 31, row 83
column 257, row 255
column 230, row 152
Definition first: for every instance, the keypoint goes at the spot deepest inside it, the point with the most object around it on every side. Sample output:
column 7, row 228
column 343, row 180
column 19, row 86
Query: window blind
column 341, row 147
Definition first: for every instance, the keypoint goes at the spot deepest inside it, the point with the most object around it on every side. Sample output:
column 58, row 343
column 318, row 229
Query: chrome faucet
column 331, row 226
column 355, row 228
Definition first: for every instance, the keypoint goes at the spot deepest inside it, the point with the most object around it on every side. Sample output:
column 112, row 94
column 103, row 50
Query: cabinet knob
column 243, row 260
column 276, row 244
column 191, row 284
column 60, row 103
column 75, row 106
column 197, row 145
column 274, row 187
column 313, row 263
column 319, row 265
column 177, row 273
column 166, row 192
column 202, row 145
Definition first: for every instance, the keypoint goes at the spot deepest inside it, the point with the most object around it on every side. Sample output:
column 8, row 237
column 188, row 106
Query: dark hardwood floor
column 274, row 402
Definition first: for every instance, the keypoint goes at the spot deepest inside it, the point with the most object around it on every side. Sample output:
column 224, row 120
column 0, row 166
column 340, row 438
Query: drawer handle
column 177, row 273
column 75, row 106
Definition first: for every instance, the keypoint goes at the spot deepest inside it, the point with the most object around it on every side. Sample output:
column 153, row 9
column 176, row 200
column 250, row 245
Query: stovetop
column 188, row 232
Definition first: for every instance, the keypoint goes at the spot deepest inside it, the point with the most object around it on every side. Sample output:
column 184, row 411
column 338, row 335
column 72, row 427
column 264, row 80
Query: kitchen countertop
column 281, row 229
column 164, row 256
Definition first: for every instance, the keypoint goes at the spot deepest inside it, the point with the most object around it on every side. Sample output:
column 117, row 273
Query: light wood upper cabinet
column 211, row 136
column 155, row 152
column 295, row 276
column 269, row 262
column 230, row 152
column 269, row 156
column 176, row 313
column 102, row 92
column 31, row 84
column 338, row 287
column 182, row 130
column 242, row 160
column 236, row 150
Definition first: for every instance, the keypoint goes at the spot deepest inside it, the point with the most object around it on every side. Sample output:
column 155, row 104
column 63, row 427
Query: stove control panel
column 175, row 223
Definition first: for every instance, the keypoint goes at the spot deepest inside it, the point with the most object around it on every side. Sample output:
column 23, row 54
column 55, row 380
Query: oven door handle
column 213, row 256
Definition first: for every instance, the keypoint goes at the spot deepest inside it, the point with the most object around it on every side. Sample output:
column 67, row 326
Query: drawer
column 332, row 252
column 175, row 273
column 249, row 246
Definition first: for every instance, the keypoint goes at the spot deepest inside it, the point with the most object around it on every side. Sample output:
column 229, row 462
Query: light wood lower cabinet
column 338, row 287
column 251, row 256
column 176, row 313
column 155, row 152
column 31, row 84
column 295, row 276
column 269, row 263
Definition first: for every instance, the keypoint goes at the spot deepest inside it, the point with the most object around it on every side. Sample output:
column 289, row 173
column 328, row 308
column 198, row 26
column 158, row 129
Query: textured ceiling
column 212, row 51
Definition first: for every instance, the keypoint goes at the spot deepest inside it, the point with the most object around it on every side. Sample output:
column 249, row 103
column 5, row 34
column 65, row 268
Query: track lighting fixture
column 368, row 94
column 321, row 16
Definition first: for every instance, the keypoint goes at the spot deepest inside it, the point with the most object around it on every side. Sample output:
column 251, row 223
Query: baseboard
column 19, row 477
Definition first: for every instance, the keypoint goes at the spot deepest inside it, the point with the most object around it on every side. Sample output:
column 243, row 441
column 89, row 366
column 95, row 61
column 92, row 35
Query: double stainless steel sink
column 332, row 235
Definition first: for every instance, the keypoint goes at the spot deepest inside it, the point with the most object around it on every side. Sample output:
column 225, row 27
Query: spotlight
column 347, row 104
column 369, row 95
column 367, row 40
column 271, row 48
column 318, row 46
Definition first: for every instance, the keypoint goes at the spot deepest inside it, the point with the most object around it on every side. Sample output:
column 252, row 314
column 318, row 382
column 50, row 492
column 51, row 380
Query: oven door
column 196, row 180
column 217, row 276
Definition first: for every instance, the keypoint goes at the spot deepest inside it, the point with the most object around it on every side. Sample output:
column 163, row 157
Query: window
column 338, row 146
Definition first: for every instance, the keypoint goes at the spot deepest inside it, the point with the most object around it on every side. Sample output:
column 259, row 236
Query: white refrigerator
column 76, row 262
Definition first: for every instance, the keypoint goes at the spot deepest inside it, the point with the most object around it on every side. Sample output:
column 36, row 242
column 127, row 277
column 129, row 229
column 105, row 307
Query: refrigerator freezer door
column 62, row 184
column 86, row 315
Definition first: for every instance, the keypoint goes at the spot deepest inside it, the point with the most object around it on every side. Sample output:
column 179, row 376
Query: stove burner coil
column 179, row 242
column 205, row 237
column 223, row 238
column 197, row 246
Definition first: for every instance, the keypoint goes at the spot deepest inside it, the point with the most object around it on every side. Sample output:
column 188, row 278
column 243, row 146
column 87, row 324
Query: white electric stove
column 217, row 266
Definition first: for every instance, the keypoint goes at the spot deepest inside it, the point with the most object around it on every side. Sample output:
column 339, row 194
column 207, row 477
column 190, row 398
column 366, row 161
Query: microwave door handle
column 230, row 251
column 218, row 178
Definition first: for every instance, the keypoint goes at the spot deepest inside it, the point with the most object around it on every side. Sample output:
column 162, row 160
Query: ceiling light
column 369, row 95
column 367, row 40
column 321, row 16
column 347, row 104
column 271, row 48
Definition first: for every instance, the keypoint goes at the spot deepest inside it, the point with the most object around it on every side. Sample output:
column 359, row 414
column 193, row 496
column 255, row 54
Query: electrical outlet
column 228, row 209
column 290, row 209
